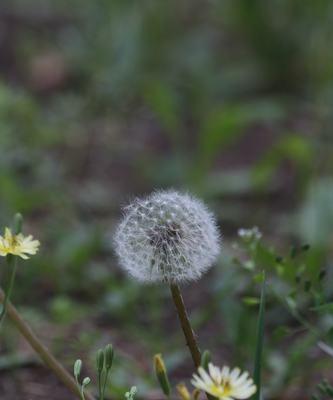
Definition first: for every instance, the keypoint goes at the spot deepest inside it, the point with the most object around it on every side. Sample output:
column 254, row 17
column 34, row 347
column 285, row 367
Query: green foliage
column 291, row 147
column 324, row 391
column 298, row 286
column 100, row 101
column 316, row 215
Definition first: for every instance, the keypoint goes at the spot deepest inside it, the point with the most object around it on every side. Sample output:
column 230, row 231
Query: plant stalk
column 187, row 328
column 42, row 351
column 260, row 340
column 185, row 324
column 11, row 263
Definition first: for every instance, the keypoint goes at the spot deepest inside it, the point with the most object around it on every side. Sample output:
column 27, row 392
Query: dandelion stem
column 187, row 328
column 42, row 351
column 186, row 325
column 12, row 264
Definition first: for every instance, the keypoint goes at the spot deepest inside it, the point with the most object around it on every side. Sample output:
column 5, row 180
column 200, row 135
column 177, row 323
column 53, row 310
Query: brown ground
column 31, row 383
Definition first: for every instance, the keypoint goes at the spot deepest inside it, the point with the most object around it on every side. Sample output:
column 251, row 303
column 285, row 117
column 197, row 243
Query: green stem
column 82, row 393
column 105, row 382
column 41, row 350
column 79, row 387
column 260, row 340
column 101, row 397
column 12, row 263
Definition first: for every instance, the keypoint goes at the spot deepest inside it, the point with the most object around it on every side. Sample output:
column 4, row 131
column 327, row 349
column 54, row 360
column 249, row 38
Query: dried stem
column 187, row 328
column 186, row 325
column 42, row 351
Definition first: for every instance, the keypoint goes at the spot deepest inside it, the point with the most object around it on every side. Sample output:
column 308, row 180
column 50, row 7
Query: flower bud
column 100, row 361
column 77, row 368
column 183, row 392
column 205, row 359
column 131, row 394
column 85, row 381
column 18, row 221
column 108, row 355
column 161, row 374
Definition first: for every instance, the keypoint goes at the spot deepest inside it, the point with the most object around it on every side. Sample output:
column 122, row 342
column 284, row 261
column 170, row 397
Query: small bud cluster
column 248, row 234
column 104, row 360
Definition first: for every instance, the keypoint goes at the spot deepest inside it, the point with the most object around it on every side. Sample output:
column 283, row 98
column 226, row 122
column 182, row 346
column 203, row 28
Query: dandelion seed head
column 168, row 236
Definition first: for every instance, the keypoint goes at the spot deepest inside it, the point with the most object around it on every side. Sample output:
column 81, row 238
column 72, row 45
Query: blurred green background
column 106, row 100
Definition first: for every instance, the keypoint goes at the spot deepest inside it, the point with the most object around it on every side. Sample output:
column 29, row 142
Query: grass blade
column 259, row 340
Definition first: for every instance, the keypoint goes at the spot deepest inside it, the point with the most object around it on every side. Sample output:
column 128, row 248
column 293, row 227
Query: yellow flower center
column 221, row 389
column 13, row 242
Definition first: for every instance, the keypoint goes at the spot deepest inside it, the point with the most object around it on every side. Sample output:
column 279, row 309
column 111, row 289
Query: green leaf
column 315, row 218
column 164, row 103
column 327, row 307
column 292, row 147
column 250, row 301
column 222, row 127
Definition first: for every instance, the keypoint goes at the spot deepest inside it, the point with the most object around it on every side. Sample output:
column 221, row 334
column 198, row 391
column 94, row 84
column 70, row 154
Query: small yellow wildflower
column 18, row 245
column 225, row 384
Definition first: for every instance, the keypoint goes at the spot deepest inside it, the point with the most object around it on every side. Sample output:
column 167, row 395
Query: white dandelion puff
column 168, row 237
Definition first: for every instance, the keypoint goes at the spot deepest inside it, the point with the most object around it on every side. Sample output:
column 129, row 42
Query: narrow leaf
column 259, row 341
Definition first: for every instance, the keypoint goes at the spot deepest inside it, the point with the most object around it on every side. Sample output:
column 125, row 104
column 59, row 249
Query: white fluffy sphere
column 168, row 236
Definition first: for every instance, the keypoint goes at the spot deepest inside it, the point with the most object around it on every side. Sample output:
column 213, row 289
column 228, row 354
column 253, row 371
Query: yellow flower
column 18, row 245
column 225, row 384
